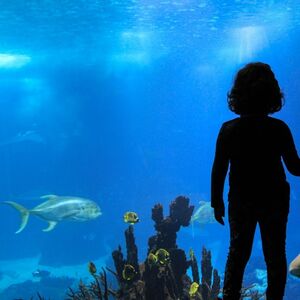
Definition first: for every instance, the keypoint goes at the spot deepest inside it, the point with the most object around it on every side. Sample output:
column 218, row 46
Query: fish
column 131, row 217
column 204, row 214
column 152, row 259
column 193, row 289
column 41, row 273
column 58, row 208
column 128, row 272
column 163, row 256
column 294, row 267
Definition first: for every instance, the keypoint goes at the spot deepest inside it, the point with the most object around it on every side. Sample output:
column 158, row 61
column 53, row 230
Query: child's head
column 255, row 91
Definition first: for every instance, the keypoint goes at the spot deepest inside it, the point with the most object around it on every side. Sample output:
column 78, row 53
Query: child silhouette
column 254, row 144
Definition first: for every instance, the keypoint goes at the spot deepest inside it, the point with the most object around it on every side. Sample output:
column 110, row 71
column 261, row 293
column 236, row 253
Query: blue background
column 123, row 101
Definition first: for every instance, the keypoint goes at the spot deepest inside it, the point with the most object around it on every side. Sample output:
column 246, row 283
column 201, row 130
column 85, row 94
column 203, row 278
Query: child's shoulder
column 240, row 123
column 277, row 122
column 230, row 123
column 269, row 119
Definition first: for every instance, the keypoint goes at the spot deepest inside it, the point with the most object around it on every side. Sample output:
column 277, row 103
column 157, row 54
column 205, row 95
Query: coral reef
column 163, row 274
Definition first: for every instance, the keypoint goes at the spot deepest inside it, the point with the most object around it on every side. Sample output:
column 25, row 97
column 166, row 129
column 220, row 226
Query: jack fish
column 294, row 268
column 58, row 208
column 204, row 214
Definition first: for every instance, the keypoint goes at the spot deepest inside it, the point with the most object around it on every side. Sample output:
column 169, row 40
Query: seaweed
column 96, row 290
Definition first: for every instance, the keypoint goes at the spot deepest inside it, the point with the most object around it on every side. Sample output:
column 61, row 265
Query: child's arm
column 289, row 152
column 219, row 171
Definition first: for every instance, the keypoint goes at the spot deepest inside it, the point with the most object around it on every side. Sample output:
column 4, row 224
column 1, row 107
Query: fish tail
column 24, row 214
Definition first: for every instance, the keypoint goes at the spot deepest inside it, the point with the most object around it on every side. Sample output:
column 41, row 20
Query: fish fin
column 193, row 218
column 24, row 214
column 49, row 197
column 51, row 226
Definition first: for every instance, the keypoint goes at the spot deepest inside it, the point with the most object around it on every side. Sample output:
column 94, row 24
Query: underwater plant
column 96, row 290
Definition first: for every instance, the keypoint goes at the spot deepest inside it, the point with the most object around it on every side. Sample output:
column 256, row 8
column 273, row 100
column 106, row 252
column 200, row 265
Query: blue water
column 121, row 102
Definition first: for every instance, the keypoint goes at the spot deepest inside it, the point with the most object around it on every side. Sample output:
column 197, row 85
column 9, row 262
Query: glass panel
column 112, row 106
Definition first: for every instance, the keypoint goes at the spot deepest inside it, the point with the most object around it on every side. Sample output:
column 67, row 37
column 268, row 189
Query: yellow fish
column 92, row 268
column 131, row 217
column 163, row 256
column 193, row 289
column 128, row 272
column 152, row 259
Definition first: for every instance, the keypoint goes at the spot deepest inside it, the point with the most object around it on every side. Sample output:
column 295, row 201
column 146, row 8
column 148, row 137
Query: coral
column 132, row 250
column 210, row 283
column 163, row 274
column 167, row 228
column 165, row 279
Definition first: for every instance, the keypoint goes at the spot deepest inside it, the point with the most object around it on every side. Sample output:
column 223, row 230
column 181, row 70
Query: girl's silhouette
column 254, row 144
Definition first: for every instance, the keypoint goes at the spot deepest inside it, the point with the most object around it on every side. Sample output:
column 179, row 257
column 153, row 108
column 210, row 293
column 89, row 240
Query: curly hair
column 255, row 91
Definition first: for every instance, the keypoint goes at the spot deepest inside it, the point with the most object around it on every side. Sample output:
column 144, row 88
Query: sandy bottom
column 18, row 271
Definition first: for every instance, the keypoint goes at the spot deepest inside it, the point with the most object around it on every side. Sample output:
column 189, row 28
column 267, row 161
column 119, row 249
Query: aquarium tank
column 110, row 107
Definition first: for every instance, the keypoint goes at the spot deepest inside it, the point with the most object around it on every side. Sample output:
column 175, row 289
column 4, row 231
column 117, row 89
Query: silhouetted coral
column 163, row 274
column 180, row 215
column 132, row 250
column 164, row 278
column 210, row 282
column 194, row 265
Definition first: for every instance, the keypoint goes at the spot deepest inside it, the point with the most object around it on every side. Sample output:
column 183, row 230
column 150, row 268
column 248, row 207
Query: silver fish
column 294, row 267
column 204, row 214
column 58, row 208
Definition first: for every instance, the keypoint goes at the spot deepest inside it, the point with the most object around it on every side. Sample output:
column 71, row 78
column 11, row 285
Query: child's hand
column 219, row 214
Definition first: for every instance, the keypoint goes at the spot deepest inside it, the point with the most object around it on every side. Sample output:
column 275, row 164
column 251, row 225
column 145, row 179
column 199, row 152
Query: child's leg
column 273, row 234
column 242, row 230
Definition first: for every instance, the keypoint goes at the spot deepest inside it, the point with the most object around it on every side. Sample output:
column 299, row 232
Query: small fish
column 58, row 208
column 92, row 268
column 131, row 217
column 193, row 289
column 128, row 272
column 163, row 256
column 294, row 267
column 204, row 214
column 152, row 259
column 41, row 273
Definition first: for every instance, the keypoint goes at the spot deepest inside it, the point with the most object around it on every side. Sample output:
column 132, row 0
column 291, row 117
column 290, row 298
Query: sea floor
column 16, row 272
